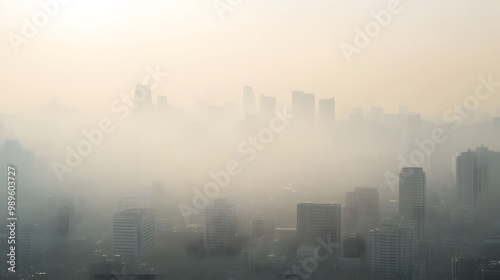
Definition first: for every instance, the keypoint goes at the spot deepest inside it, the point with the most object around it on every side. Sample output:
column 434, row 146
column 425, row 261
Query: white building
column 391, row 249
column 134, row 233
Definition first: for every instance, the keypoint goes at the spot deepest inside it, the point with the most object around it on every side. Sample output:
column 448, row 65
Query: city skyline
column 249, row 140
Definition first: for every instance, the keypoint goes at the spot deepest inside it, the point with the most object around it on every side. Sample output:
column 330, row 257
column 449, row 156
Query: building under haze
column 303, row 105
column 361, row 211
column 267, row 107
column 326, row 110
column 134, row 233
column 477, row 172
column 318, row 221
column 390, row 250
column 220, row 227
column 412, row 183
column 248, row 101
column 62, row 217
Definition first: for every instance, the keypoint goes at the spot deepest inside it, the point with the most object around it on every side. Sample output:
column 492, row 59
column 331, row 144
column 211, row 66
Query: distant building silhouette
column 267, row 108
column 248, row 101
column 326, row 110
column 303, row 105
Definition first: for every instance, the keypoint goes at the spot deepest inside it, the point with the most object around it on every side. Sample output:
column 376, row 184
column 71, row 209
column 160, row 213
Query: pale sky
column 428, row 57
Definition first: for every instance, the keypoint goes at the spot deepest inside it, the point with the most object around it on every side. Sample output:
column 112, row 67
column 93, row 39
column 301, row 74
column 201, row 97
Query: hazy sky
column 90, row 52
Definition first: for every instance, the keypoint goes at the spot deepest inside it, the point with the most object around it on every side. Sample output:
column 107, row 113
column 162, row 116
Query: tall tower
column 62, row 217
column 303, row 105
column 477, row 176
column 326, row 110
column 134, row 233
column 248, row 101
column 361, row 211
column 267, row 107
column 318, row 221
column 412, row 198
column 220, row 227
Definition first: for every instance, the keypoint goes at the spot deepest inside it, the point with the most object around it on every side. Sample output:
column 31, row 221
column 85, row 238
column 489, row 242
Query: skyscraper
column 390, row 250
column 267, row 106
column 412, row 198
column 361, row 211
column 477, row 173
column 62, row 217
column 303, row 105
column 134, row 233
column 318, row 221
column 326, row 110
column 220, row 227
column 248, row 101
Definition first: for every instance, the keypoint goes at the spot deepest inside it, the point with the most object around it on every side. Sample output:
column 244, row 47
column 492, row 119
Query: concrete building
column 134, row 233
column 390, row 250
column 361, row 211
column 220, row 227
column 412, row 187
column 318, row 221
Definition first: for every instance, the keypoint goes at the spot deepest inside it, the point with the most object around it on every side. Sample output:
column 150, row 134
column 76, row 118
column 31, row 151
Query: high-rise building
column 143, row 99
column 62, row 217
column 267, row 106
column 318, row 221
column 303, row 105
column 412, row 198
column 326, row 110
column 477, row 176
column 220, row 227
column 390, row 250
column 361, row 211
column 134, row 233
column 248, row 101
column 464, row 268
